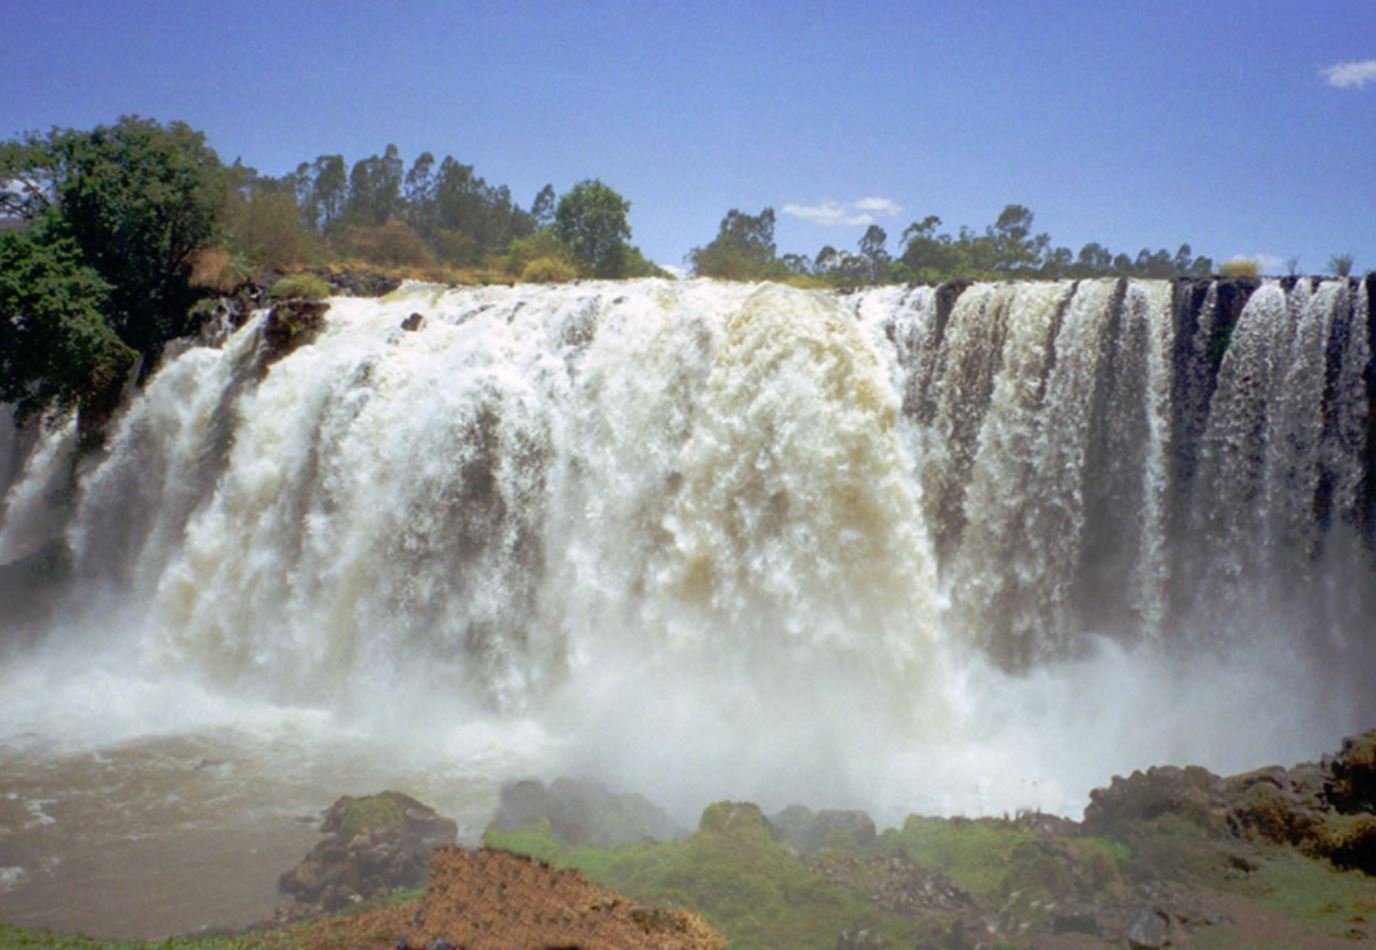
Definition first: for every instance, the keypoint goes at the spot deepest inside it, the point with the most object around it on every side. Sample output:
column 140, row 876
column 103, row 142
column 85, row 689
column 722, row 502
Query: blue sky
column 1143, row 124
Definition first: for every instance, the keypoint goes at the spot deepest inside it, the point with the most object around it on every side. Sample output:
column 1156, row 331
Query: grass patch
column 975, row 853
column 1313, row 892
column 300, row 287
column 756, row 892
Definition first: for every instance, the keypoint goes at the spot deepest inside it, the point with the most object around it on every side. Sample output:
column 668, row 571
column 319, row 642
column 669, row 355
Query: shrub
column 548, row 270
column 216, row 268
column 393, row 243
column 1240, row 267
column 300, row 287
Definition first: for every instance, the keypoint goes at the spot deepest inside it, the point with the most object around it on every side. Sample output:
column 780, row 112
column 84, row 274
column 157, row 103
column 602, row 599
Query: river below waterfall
column 966, row 549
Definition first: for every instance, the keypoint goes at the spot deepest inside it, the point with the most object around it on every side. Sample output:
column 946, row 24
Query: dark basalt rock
column 413, row 323
column 583, row 811
column 808, row 832
column 361, row 283
column 291, row 325
column 1192, row 793
column 375, row 845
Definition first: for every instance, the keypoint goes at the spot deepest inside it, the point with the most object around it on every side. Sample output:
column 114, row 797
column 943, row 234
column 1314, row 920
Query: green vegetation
column 744, row 250
column 372, row 813
column 99, row 270
column 548, row 270
column 591, row 222
column 1341, row 264
column 974, row 853
column 109, row 240
column 1240, row 267
column 750, row 887
column 301, row 287
column 55, row 343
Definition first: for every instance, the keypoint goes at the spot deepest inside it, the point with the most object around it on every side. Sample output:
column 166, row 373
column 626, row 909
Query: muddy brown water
column 167, row 836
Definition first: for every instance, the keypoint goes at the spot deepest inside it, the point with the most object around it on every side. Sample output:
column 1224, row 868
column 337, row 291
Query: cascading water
column 941, row 549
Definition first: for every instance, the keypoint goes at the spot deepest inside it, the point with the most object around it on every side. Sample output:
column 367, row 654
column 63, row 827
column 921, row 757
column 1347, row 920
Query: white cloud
column 830, row 214
column 1269, row 263
column 881, row 206
column 1352, row 75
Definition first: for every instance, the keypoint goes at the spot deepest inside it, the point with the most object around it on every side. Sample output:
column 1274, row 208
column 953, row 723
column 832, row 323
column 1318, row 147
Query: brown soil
column 491, row 900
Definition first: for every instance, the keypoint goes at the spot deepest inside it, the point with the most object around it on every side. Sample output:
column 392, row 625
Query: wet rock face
column 1351, row 785
column 1326, row 810
column 808, row 832
column 1192, row 793
column 583, row 811
column 361, row 283
column 376, row 844
column 290, row 325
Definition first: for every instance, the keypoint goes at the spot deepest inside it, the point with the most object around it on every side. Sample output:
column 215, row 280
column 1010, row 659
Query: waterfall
column 834, row 509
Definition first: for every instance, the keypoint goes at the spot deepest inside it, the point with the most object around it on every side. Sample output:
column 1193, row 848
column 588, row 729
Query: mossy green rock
column 735, row 818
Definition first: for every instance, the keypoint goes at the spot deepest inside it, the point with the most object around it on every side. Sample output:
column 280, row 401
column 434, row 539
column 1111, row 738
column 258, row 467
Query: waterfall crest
column 724, row 483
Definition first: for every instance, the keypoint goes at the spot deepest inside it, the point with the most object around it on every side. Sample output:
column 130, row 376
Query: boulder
column 376, row 844
column 583, row 811
column 808, row 832
column 291, row 325
column 1149, row 929
column 735, row 818
column 1351, row 783
column 1192, row 793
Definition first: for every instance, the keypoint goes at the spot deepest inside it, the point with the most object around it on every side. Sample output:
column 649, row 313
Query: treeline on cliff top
column 109, row 237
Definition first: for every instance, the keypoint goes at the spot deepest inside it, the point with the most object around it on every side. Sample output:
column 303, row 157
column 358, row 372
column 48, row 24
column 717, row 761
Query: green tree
column 1341, row 264
column 329, row 191
column 420, row 194
column 542, row 208
column 1094, row 259
column 375, row 188
column 591, row 221
column 742, row 250
column 1014, row 248
column 872, row 250
column 55, row 344
column 139, row 200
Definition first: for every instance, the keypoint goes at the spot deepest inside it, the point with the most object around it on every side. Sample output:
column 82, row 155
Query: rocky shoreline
column 1168, row 856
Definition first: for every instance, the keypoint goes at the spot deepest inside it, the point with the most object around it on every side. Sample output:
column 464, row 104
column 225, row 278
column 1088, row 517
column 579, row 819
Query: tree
column 420, row 194
column 591, row 221
column 742, row 250
column 55, row 344
column 1014, row 248
column 542, row 208
column 872, row 250
column 140, row 200
column 329, row 191
column 927, row 255
column 375, row 188
column 101, row 274
column 1341, row 264
column 1094, row 259
column 1058, row 262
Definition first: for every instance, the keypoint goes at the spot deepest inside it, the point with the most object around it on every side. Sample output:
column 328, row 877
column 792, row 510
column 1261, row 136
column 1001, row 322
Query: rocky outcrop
column 1324, row 809
column 809, row 832
column 360, row 283
column 583, row 811
column 376, row 844
column 291, row 325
